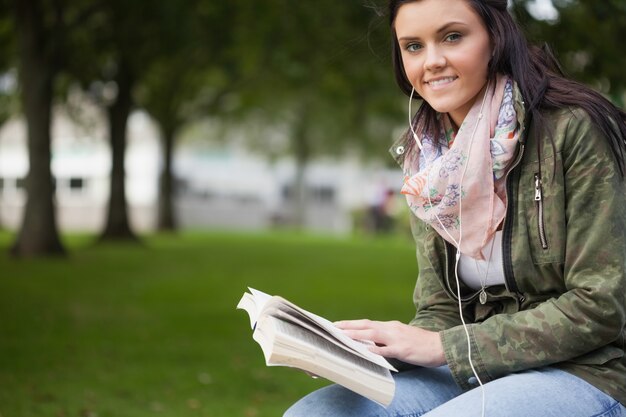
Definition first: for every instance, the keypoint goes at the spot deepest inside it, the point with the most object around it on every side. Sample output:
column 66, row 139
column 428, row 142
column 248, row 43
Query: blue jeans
column 431, row 392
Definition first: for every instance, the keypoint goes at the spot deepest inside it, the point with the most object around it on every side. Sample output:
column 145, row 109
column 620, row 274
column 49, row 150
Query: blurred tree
column 323, row 74
column 43, row 31
column 168, row 84
column 126, row 47
column 38, row 44
column 252, row 57
column 111, row 63
column 41, row 27
column 586, row 36
column 188, row 80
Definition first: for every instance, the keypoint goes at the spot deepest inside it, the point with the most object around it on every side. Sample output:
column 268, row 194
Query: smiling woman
column 514, row 176
column 445, row 57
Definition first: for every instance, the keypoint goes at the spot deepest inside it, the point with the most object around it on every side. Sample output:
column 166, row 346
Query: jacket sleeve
column 435, row 310
column 590, row 312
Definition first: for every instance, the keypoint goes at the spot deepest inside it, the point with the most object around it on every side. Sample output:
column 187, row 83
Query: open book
column 291, row 336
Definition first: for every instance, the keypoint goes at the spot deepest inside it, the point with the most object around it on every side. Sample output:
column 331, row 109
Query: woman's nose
column 435, row 59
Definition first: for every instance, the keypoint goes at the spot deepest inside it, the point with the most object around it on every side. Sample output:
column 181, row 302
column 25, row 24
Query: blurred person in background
column 381, row 211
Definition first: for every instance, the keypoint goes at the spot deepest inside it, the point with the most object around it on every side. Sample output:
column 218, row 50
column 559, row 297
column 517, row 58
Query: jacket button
column 472, row 380
column 400, row 150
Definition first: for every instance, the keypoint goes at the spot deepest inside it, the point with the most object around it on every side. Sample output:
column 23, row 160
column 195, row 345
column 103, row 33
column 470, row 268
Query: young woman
column 515, row 179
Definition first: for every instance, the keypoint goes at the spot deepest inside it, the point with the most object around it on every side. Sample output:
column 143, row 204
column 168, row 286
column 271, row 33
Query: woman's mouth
column 439, row 82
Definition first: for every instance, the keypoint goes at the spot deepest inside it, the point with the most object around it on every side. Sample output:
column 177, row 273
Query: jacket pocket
column 541, row 209
column 541, row 224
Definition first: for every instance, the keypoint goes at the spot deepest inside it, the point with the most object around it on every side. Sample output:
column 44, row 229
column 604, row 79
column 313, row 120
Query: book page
column 247, row 303
column 278, row 303
column 287, row 344
column 260, row 298
column 294, row 316
column 320, row 344
column 253, row 303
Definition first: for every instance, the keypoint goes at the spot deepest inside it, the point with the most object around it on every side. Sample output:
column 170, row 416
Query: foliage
column 320, row 77
column 153, row 330
column 187, row 80
column 9, row 104
column 324, row 71
column 192, row 70
column 587, row 37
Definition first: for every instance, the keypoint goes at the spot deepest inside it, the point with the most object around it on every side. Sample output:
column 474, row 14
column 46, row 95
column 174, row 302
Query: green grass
column 152, row 330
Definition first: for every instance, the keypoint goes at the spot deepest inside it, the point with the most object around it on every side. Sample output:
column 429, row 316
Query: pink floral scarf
column 469, row 166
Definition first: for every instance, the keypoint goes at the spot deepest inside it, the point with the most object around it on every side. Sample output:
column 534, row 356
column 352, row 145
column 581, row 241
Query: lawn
column 152, row 330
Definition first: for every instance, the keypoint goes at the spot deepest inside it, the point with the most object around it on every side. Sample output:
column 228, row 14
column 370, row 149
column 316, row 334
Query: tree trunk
column 117, row 224
column 38, row 234
column 166, row 217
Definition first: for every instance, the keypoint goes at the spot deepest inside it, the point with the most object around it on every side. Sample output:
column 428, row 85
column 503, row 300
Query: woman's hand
column 397, row 340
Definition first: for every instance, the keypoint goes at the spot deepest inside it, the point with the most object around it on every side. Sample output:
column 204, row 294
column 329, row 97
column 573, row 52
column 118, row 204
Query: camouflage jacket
column 564, row 254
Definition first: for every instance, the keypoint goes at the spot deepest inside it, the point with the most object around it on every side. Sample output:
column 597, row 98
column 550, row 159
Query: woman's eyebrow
column 447, row 26
column 441, row 29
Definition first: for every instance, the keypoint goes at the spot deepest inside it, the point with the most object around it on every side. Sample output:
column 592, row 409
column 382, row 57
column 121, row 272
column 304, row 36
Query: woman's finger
column 367, row 334
column 354, row 324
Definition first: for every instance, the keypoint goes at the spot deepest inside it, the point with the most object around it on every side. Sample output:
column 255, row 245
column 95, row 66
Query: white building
column 223, row 186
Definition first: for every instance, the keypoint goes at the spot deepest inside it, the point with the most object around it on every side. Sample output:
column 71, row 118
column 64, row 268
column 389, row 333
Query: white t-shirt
column 472, row 271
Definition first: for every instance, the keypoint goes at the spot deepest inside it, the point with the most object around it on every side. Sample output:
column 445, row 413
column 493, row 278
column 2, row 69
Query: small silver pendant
column 483, row 296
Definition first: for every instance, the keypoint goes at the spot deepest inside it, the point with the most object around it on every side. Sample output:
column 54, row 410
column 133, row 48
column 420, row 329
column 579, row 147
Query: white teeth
column 441, row 81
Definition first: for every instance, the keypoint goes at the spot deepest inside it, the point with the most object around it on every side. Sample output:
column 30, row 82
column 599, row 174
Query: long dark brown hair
column 536, row 71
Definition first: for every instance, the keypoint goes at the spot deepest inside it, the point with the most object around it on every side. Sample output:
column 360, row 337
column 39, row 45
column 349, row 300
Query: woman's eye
column 413, row 47
column 453, row 37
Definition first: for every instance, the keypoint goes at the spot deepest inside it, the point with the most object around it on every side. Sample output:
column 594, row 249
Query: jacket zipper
column 507, row 230
column 539, row 205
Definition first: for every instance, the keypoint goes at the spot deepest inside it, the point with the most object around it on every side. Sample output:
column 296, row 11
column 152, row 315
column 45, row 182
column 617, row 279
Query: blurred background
column 158, row 157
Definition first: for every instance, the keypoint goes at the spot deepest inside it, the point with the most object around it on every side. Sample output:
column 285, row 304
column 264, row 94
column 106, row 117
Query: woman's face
column 445, row 51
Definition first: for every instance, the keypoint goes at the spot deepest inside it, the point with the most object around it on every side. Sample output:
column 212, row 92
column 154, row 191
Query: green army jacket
column 564, row 250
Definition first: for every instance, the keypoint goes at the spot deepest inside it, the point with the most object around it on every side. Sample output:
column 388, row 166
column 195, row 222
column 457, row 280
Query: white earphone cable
column 419, row 143
column 457, row 243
